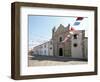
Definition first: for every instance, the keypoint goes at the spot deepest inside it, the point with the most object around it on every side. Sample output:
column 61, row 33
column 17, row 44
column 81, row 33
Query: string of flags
column 78, row 21
column 72, row 30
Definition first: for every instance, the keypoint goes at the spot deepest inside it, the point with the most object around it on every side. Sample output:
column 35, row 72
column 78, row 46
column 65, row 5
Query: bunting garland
column 72, row 30
column 78, row 21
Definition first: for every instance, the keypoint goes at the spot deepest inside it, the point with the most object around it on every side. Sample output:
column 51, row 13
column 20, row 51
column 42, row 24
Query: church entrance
column 60, row 52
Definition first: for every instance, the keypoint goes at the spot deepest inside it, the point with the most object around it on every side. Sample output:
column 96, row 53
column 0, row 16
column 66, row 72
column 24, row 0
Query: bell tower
column 76, row 44
column 53, row 31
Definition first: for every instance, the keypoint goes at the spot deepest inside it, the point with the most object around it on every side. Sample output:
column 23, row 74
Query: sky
column 40, row 27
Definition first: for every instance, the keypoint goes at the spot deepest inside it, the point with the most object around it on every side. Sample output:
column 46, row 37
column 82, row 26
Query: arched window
column 60, row 39
column 75, row 36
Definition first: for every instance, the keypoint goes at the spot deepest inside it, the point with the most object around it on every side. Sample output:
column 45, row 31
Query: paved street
column 52, row 61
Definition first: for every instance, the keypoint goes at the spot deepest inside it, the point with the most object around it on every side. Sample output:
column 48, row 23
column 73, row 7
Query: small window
column 60, row 39
column 45, row 51
column 50, row 48
column 45, row 45
column 51, row 42
column 75, row 36
column 75, row 45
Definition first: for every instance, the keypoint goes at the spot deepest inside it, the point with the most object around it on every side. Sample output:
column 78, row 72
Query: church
column 64, row 43
column 69, row 45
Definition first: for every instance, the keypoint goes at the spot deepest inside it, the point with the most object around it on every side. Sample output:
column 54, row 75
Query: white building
column 79, row 44
column 76, row 45
column 44, row 49
column 50, row 48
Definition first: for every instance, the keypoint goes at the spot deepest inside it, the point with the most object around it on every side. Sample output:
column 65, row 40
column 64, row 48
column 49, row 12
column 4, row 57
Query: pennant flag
column 76, row 23
column 71, row 30
column 68, row 35
column 65, row 39
column 79, row 18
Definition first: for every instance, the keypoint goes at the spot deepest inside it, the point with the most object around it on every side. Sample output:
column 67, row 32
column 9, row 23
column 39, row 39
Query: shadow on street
column 54, row 58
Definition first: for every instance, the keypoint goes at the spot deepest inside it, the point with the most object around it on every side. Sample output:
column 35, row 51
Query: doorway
column 60, row 52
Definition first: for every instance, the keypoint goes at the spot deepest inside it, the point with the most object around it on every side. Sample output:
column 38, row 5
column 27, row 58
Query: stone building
column 58, row 35
column 73, row 47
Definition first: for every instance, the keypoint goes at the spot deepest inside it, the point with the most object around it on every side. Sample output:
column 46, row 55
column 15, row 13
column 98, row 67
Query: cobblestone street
column 52, row 61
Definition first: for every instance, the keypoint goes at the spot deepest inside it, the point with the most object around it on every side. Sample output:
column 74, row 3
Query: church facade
column 75, row 46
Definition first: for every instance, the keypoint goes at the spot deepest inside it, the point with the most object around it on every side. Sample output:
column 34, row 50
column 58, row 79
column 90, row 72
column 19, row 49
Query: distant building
column 50, row 48
column 44, row 49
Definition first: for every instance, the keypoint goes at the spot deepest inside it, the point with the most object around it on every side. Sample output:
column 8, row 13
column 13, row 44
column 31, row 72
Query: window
column 45, row 45
column 60, row 39
column 44, row 51
column 41, row 52
column 50, row 48
column 75, row 36
column 75, row 45
column 51, row 42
